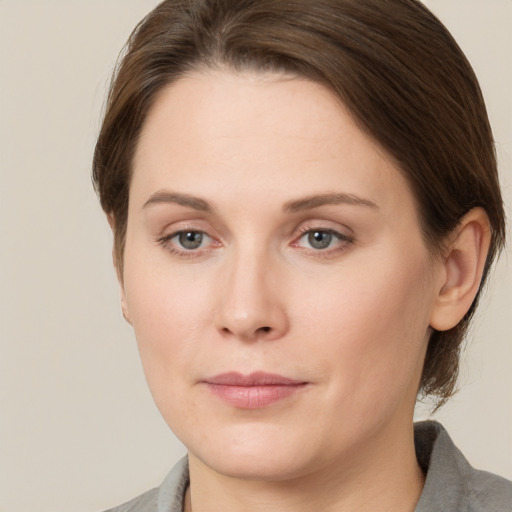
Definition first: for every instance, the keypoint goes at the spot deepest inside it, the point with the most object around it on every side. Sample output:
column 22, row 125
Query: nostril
column 265, row 329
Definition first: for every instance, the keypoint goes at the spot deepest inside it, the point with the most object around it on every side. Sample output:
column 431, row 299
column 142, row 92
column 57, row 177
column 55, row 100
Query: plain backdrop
column 78, row 428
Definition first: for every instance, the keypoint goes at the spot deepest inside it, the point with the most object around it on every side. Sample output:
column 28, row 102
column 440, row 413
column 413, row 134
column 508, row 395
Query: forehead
column 212, row 130
column 211, row 105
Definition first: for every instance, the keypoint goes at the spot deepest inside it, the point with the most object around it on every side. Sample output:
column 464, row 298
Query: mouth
column 253, row 391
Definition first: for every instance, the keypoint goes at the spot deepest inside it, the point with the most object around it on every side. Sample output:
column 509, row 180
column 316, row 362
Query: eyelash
column 343, row 242
column 167, row 244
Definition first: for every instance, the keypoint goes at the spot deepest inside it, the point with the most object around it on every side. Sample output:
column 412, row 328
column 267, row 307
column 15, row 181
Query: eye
column 319, row 239
column 187, row 241
column 190, row 240
column 322, row 239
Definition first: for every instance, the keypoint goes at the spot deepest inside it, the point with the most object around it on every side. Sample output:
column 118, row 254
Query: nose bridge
column 250, row 305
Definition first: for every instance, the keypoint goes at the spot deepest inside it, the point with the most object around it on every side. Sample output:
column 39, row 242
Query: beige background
column 78, row 429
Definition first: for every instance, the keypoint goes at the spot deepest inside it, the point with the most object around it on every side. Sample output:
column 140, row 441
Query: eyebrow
column 310, row 202
column 297, row 205
column 182, row 199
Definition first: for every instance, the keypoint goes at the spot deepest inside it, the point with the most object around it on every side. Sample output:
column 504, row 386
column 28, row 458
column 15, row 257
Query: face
column 275, row 275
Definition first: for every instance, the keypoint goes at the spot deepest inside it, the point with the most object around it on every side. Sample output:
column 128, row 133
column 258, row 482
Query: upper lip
column 253, row 379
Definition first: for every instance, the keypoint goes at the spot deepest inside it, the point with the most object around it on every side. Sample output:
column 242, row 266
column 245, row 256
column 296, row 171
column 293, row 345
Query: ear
column 124, row 305
column 463, row 265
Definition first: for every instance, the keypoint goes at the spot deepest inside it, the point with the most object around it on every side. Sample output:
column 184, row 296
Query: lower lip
column 254, row 397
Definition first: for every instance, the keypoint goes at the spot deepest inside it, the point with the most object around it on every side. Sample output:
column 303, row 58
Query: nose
column 251, row 303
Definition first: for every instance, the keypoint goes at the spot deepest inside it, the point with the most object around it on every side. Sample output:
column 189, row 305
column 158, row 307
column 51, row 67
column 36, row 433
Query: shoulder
column 488, row 492
column 147, row 502
column 452, row 484
column 166, row 498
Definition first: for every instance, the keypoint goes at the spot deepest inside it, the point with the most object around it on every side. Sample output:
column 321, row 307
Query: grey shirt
column 452, row 485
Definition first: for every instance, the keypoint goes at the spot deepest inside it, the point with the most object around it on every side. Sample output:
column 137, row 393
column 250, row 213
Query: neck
column 384, row 475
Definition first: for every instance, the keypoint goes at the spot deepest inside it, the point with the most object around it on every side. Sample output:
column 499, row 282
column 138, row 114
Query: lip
column 253, row 391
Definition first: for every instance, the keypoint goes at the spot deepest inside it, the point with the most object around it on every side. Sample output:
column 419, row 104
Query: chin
column 257, row 452
column 260, row 467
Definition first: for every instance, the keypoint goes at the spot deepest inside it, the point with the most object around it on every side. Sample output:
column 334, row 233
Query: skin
column 351, row 320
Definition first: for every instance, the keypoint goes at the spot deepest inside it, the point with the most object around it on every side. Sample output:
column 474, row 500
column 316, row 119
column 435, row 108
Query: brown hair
column 391, row 62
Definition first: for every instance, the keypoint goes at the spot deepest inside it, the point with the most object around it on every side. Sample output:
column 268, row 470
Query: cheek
column 168, row 330
column 373, row 326
column 169, row 311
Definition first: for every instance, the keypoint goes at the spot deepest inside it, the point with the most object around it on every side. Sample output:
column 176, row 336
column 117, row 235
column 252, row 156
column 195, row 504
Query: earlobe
column 124, row 305
column 463, row 266
column 111, row 222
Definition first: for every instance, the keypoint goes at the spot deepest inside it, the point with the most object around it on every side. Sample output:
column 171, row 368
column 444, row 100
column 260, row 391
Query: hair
column 392, row 63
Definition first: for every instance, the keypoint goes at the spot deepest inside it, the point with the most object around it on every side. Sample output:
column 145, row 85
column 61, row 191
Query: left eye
column 320, row 239
column 190, row 240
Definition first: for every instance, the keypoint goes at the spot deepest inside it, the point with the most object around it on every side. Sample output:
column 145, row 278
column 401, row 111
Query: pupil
column 320, row 239
column 191, row 239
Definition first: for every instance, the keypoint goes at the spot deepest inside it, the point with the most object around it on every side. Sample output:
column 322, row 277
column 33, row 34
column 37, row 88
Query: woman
column 305, row 206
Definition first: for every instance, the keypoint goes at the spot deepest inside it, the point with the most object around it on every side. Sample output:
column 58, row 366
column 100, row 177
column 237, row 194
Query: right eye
column 186, row 241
